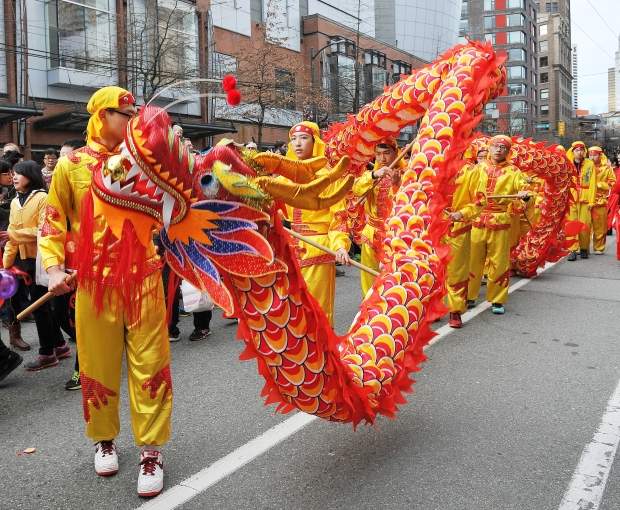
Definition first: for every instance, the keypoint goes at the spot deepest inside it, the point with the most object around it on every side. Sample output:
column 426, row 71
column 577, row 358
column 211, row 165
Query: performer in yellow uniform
column 584, row 198
column 107, row 323
column 377, row 187
column 490, row 236
column 605, row 180
column 459, row 236
column 326, row 226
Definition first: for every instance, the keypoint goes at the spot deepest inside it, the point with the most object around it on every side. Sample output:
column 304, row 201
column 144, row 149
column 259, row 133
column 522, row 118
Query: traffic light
column 561, row 128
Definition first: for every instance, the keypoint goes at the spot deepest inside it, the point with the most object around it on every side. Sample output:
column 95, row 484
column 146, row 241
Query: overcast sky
column 597, row 42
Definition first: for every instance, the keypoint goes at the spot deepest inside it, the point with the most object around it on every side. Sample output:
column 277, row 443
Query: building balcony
column 75, row 78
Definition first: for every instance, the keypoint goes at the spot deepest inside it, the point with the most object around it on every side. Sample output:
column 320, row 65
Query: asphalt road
column 501, row 413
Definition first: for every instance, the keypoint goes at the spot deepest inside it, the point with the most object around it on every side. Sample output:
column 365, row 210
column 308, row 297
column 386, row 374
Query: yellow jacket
column 71, row 183
column 491, row 179
column 463, row 199
column 326, row 226
column 24, row 221
column 605, row 180
column 382, row 191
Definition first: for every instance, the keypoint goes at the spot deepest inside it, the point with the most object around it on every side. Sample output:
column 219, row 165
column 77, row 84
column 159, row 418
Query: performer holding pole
column 326, row 226
column 459, row 236
column 490, row 236
column 376, row 189
column 119, row 301
column 605, row 180
column 584, row 199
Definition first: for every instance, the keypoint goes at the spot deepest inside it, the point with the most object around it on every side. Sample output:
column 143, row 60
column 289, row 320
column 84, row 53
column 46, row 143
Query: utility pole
column 356, row 67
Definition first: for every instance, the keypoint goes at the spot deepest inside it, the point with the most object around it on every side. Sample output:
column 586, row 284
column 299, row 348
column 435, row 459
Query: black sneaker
column 174, row 334
column 74, row 383
column 572, row 256
column 199, row 334
column 11, row 361
column 583, row 254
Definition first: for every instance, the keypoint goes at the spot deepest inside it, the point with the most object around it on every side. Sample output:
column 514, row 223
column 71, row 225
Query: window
column 399, row 68
column 223, row 64
column 517, row 125
column 516, row 72
column 489, row 5
column 552, row 6
column 489, row 38
column 376, row 58
column 489, row 22
column 285, row 89
column 516, row 54
column 515, row 20
column 375, row 79
column 544, row 77
column 516, row 4
column 517, row 89
column 542, row 29
column 544, row 46
column 544, row 93
column 516, row 37
column 544, row 109
column 518, row 107
column 544, row 62
column 80, row 34
column 342, row 71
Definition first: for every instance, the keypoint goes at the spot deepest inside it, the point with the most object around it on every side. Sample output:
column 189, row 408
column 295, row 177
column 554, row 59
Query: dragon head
column 210, row 209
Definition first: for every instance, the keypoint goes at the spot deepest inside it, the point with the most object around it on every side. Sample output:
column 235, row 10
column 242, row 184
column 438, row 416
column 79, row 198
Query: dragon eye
column 209, row 185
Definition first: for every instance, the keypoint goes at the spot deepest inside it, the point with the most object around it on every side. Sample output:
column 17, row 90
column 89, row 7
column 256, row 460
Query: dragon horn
column 301, row 171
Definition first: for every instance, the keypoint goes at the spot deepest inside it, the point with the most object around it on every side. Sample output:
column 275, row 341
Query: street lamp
column 313, row 55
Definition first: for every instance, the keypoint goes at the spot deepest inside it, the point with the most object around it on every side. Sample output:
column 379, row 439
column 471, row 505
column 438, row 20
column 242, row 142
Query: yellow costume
column 377, row 205
column 490, row 236
column 605, row 180
column 326, row 227
column 459, row 239
column 102, row 335
column 584, row 197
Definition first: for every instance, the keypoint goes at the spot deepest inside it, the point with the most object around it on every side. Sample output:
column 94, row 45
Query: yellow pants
column 321, row 282
column 494, row 246
column 599, row 227
column 582, row 213
column 458, row 271
column 101, row 340
column 370, row 260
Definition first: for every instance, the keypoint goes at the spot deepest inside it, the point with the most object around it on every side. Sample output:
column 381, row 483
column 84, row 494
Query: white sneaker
column 106, row 459
column 151, row 476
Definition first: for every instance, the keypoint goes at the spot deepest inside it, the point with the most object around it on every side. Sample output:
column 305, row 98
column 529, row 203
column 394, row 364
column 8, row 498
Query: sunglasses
column 124, row 114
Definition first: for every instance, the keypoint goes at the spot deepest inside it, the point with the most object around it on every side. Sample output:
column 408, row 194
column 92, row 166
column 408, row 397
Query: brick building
column 56, row 53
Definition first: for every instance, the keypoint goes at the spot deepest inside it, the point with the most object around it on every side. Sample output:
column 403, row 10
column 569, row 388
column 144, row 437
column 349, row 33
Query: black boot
column 8, row 363
column 583, row 254
column 572, row 256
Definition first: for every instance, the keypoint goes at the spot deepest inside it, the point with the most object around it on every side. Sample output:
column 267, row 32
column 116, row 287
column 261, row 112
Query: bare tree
column 162, row 48
column 272, row 81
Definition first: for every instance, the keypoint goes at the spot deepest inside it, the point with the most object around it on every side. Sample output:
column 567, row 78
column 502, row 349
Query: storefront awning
column 77, row 121
column 11, row 112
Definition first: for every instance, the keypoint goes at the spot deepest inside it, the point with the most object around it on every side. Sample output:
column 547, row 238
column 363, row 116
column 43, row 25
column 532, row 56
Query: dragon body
column 219, row 222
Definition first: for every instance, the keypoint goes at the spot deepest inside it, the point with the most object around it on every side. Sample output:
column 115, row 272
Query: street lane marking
column 220, row 469
column 585, row 490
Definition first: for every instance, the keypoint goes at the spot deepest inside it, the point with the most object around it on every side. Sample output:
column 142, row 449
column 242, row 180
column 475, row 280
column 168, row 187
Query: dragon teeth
column 167, row 209
column 126, row 190
column 135, row 170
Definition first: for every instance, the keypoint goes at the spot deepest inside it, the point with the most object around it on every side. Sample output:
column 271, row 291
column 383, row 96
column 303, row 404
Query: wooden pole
column 43, row 299
column 402, row 154
column 331, row 252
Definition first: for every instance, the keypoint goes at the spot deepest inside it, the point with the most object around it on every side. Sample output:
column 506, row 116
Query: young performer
column 326, row 226
column 605, row 180
column 119, row 301
column 377, row 187
column 584, row 199
column 490, row 236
